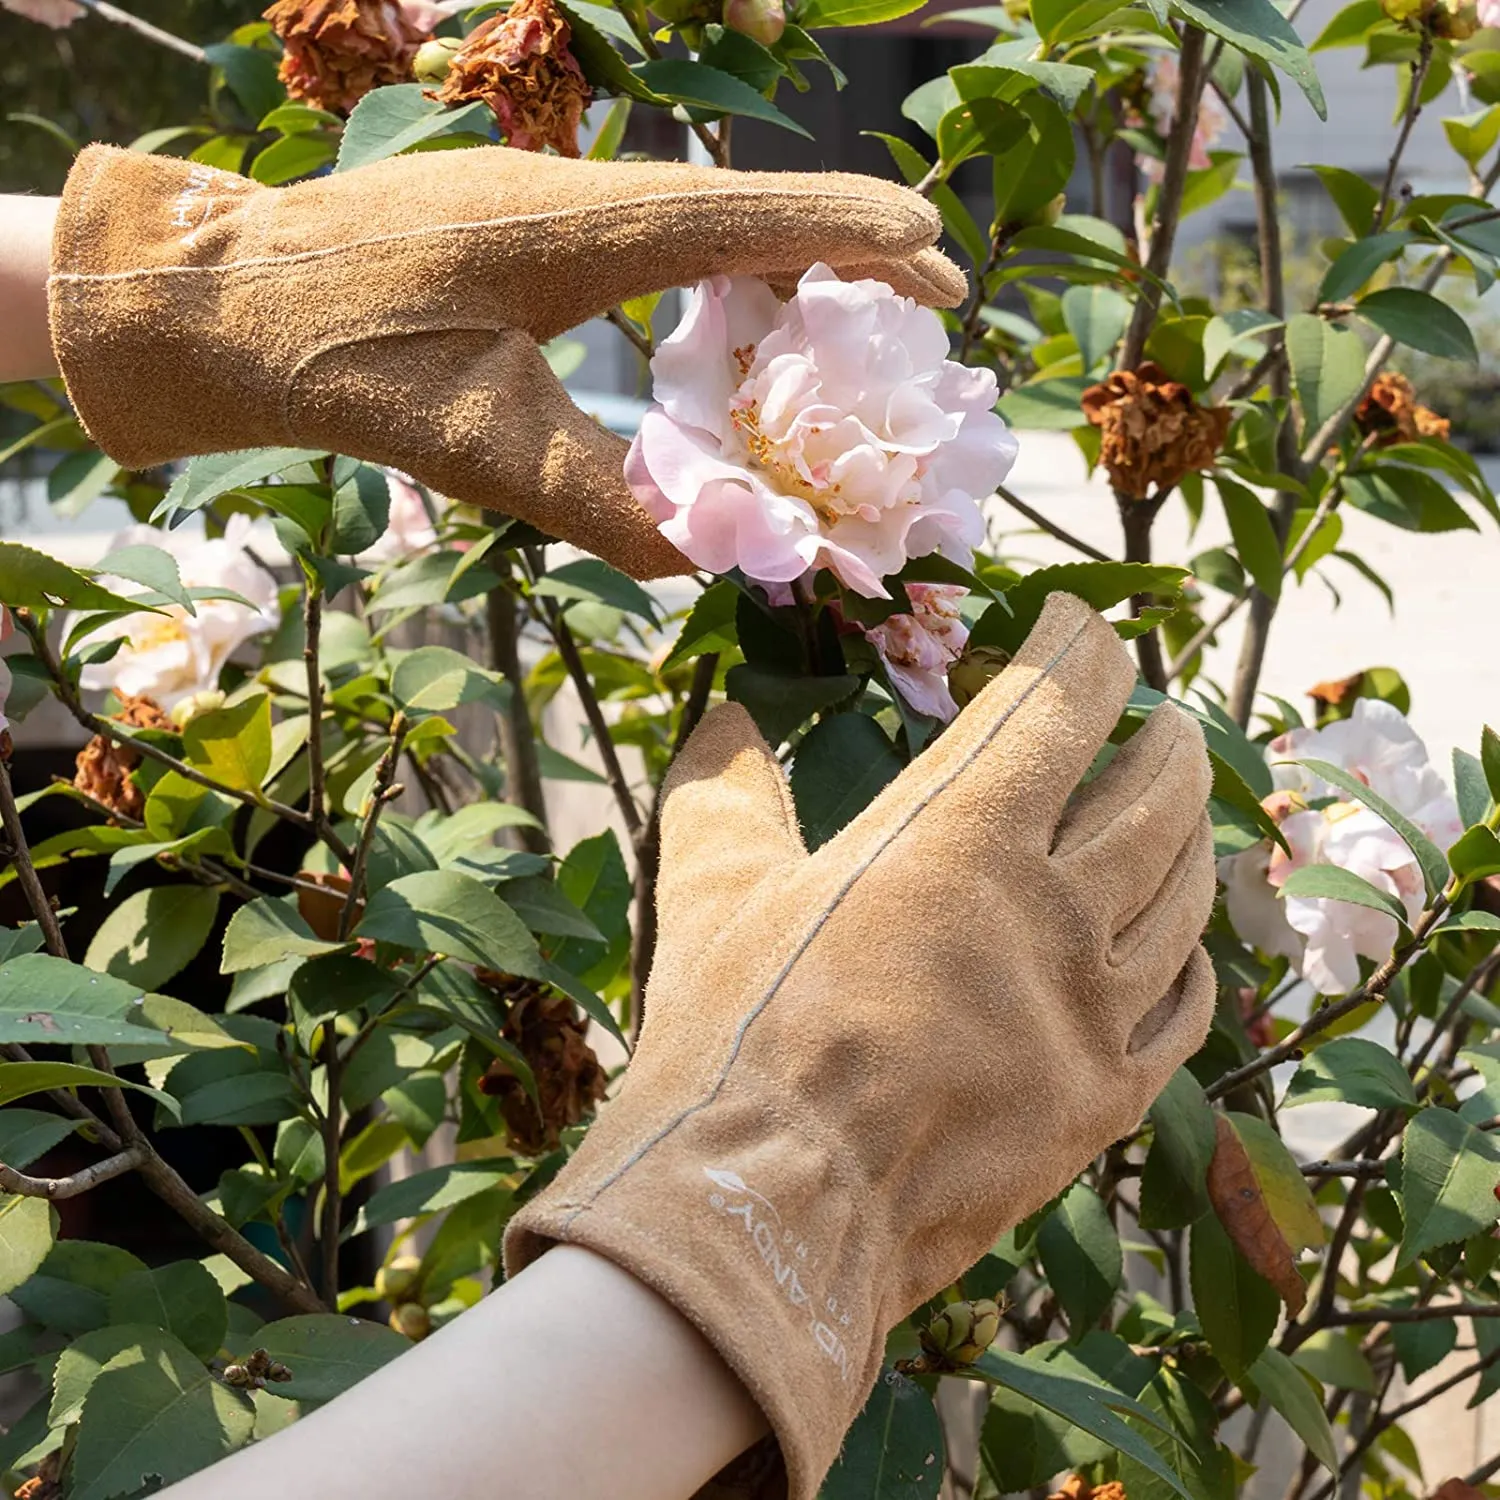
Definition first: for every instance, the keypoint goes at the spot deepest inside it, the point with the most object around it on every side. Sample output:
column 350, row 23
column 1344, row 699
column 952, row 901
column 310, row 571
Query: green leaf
column 1421, row 1346
column 1173, row 1191
column 1449, row 1173
column 598, row 583
column 1080, row 1253
column 328, row 1354
column 1299, row 1401
column 1227, row 331
column 233, row 744
column 841, row 765
column 1420, row 321
column 297, row 155
column 1050, row 405
column 1254, row 536
column 152, row 567
column 182, row 1299
column 545, row 909
column 1096, row 317
column 701, row 87
column 1259, row 29
column 435, row 1189
column 818, row 14
column 440, row 911
column 1352, row 1070
column 1475, row 855
column 78, row 1366
column 1354, row 196
column 205, row 479
column 780, row 704
column 1101, row 584
column 1360, row 261
column 957, row 219
column 709, row 625
column 1237, row 1307
column 26, row 1134
column 1429, row 857
column 1489, row 760
column 1334, row 883
column 434, row 679
column 594, row 878
column 234, row 1086
column 28, row 1228
column 1083, row 1403
column 1331, row 1356
column 1328, row 366
column 1473, row 136
column 250, row 73
column 51, row 1001
column 894, row 1450
column 154, row 934
column 30, row 579
column 19, row 1079
column 266, row 930
column 70, row 1290
column 154, row 1414
column 390, row 120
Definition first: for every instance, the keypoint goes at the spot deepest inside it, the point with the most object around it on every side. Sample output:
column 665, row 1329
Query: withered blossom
column 521, row 65
column 1390, row 413
column 104, row 765
column 336, row 51
column 1153, row 431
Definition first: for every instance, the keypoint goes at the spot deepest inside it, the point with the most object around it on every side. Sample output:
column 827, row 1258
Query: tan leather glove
column 393, row 313
column 858, row 1067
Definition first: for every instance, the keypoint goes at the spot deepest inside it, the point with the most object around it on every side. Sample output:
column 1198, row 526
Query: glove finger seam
column 823, row 917
column 506, row 221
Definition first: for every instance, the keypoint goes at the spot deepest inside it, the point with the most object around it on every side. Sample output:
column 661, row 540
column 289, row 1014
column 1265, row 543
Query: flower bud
column 237, row 1375
column 762, row 21
column 412, row 1319
column 1457, row 20
column 977, row 666
column 196, row 703
column 962, row 1331
column 434, row 58
column 399, row 1281
column 1402, row 10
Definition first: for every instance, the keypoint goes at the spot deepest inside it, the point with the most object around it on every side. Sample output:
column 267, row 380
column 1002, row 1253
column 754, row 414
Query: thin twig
column 145, row 29
column 567, row 649
column 381, row 793
column 643, row 344
column 13, row 1181
column 31, row 887
column 1408, row 120
column 1363, row 1167
column 333, row 1199
column 1050, row 527
column 1363, row 1316
column 523, row 775
column 1191, row 75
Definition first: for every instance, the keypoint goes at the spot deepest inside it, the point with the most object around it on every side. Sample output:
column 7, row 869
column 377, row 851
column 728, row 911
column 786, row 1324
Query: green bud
column 762, row 21
column 412, row 1319
column 977, row 666
column 962, row 1331
column 400, row 1280
column 434, row 58
column 196, row 703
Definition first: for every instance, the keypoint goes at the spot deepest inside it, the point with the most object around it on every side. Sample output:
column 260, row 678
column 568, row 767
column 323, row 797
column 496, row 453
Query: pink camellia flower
column 1489, row 12
column 1324, row 939
column 1161, row 84
column 918, row 648
column 830, row 431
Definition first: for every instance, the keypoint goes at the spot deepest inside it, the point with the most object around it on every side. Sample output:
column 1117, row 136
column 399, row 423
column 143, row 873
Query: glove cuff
column 762, row 1248
column 142, row 327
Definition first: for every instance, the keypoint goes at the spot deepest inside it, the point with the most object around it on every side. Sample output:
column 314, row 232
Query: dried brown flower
column 1153, row 430
column 520, row 64
column 104, row 765
column 542, row 1026
column 1076, row 1487
column 336, row 51
column 1333, row 694
column 45, row 1484
column 1391, row 413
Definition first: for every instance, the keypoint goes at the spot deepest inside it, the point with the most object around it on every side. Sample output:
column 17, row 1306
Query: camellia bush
column 827, row 462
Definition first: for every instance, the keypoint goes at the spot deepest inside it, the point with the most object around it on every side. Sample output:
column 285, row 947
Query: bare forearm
column 25, row 245
column 573, row 1379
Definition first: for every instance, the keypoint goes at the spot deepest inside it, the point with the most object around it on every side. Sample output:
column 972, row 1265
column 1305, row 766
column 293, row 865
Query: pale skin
column 572, row 1379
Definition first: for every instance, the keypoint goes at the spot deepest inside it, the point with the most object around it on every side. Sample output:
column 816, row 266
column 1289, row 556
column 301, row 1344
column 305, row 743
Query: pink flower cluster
column 918, row 648
column 1489, row 12
column 1322, row 824
column 829, row 431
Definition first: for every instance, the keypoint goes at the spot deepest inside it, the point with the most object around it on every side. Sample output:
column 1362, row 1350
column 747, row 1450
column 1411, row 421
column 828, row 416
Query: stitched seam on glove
column 817, row 926
column 919, row 231
column 405, row 330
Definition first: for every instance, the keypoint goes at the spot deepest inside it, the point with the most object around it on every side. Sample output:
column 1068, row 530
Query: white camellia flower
column 1325, row 939
column 173, row 655
column 829, row 431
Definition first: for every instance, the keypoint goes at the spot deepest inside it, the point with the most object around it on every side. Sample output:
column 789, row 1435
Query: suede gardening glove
column 858, row 1067
column 393, row 313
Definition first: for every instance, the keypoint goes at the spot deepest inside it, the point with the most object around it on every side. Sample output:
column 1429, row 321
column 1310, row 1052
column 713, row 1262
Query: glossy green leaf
column 440, row 911
column 390, row 120
column 1237, row 1308
column 1333, row 1358
column 1449, row 1173
column 1299, row 1401
column 841, row 766
column 1254, row 536
column 1420, row 321
column 1173, row 1191
column 19, row 1079
column 1080, row 1252
column 435, row 679
column 182, row 1299
column 267, row 930
column 1334, row 883
column 1328, row 366
column 32, row 580
column 894, row 1450
column 28, row 1228
column 1352, row 1070
column 701, row 87
column 1258, row 28
column 205, row 479
column 153, row 934
column 596, row 582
